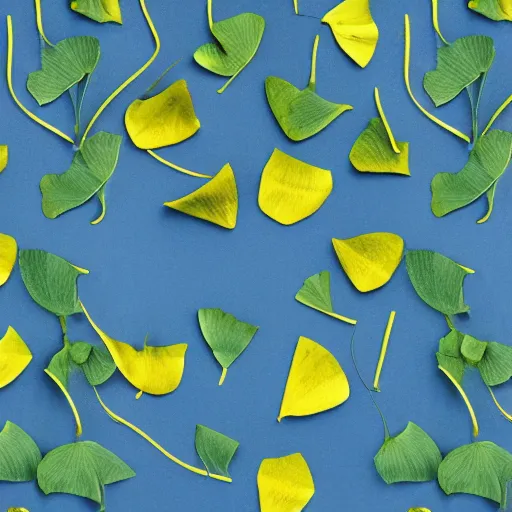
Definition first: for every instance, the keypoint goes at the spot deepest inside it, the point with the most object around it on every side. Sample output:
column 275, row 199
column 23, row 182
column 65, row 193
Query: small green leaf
column 496, row 364
column 91, row 168
column 497, row 10
column 451, row 344
column 79, row 352
column 215, row 450
column 51, row 281
column 63, row 66
column 61, row 365
column 19, row 455
column 472, row 349
column 411, row 456
column 101, row 11
column 99, row 367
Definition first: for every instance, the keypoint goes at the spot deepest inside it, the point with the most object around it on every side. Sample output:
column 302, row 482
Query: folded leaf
column 80, row 352
column 92, row 166
column 454, row 365
column 316, row 293
column 458, row 66
column 472, row 349
column 316, row 381
column 101, row 11
column 4, row 156
column 285, row 484
column 355, row 31
column 488, row 160
column 481, row 468
column 438, row 280
column 497, row 10
column 216, row 201
column 162, row 120
column 369, row 260
column 82, row 469
column 15, row 356
column 8, row 254
column 411, row 456
column 62, row 365
column 153, row 370
column 19, row 455
column 51, row 281
column 63, row 66
column 451, row 344
column 496, row 364
column 291, row 190
column 215, row 450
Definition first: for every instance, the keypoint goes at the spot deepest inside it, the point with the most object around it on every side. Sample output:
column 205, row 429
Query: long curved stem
column 296, row 6
column 10, row 50
column 312, row 76
column 435, row 22
column 383, row 117
column 177, row 167
column 383, row 350
column 496, row 114
column 500, row 408
column 132, row 78
column 39, row 20
column 209, row 10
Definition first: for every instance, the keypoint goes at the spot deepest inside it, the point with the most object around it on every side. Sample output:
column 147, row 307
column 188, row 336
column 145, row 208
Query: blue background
column 151, row 268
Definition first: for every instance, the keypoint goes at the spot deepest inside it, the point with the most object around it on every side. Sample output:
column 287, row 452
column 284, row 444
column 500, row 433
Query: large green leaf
column 101, row 11
column 496, row 364
column 497, row 10
column 91, row 168
column 51, row 281
column 215, row 450
column 487, row 162
column 411, row 456
column 82, row 469
column 458, row 66
column 19, row 455
column 482, row 469
column 63, row 66
column 438, row 280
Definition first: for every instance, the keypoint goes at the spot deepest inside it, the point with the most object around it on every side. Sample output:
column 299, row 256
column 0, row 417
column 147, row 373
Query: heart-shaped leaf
column 15, row 356
column 497, row 10
column 101, row 11
column 8, row 254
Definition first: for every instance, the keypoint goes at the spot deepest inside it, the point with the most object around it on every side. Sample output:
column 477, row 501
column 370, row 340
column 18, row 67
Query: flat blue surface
column 151, row 268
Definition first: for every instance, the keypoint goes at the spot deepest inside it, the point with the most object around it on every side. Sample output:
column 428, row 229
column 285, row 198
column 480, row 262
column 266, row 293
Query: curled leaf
column 101, row 11
column 291, row 190
column 497, row 10
column 495, row 366
column 15, row 356
column 8, row 254
column 285, row 484
column 316, row 381
column 4, row 156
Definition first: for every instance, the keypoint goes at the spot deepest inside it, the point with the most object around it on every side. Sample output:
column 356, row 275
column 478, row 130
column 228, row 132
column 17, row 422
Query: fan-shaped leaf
column 101, row 11
column 4, row 156
column 497, row 10
column 215, row 450
column 15, row 356
column 8, row 254
column 496, row 364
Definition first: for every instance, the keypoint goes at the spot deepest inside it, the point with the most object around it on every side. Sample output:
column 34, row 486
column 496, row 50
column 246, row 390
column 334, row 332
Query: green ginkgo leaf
column 215, row 450
column 488, row 160
column 19, row 455
column 497, row 10
column 51, row 281
column 237, row 41
column 411, row 456
column 226, row 336
column 472, row 349
column 99, row 366
column 92, row 166
column 496, row 364
column 63, row 66
column 101, row 11
column 482, row 469
column 438, row 280
column 301, row 113
column 80, row 352
column 82, row 469
column 458, row 66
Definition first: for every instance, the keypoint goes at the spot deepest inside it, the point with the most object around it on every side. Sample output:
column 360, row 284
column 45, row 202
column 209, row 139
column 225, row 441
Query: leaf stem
column 223, row 376
column 449, row 322
column 39, row 20
column 133, row 77
column 435, row 22
column 490, row 202
column 500, row 408
column 177, row 167
column 209, row 9
column 407, row 61
column 64, row 328
column 392, row 140
column 383, row 350
column 496, row 114
column 312, row 76
column 296, row 6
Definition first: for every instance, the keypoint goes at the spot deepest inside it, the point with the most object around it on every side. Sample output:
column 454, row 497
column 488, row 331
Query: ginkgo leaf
column 316, row 293
column 411, row 456
column 496, row 364
column 216, row 201
column 369, row 260
column 83, row 469
column 80, row 351
column 19, row 455
column 488, row 160
column 458, row 65
column 372, row 151
column 215, row 450
column 301, row 113
column 92, row 166
column 63, row 66
column 497, row 10
column 480, row 468
column 162, row 120
column 285, row 484
column 4, row 156
column 61, row 365
column 101, row 11
column 438, row 280
column 316, row 381
column 153, row 370
column 291, row 190
column 51, row 281
column 472, row 349
column 98, row 367
column 15, row 356
column 8, row 254
column 227, row 336
column 237, row 41
column 451, row 344
column 355, row 31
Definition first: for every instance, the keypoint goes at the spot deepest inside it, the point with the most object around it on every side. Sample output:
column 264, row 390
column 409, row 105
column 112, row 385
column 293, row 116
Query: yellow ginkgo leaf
column 355, row 31
column 162, row 120
column 153, row 370
column 8, row 253
column 369, row 260
column 14, row 357
column 316, row 381
column 285, row 484
column 4, row 157
column 216, row 201
column 291, row 190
